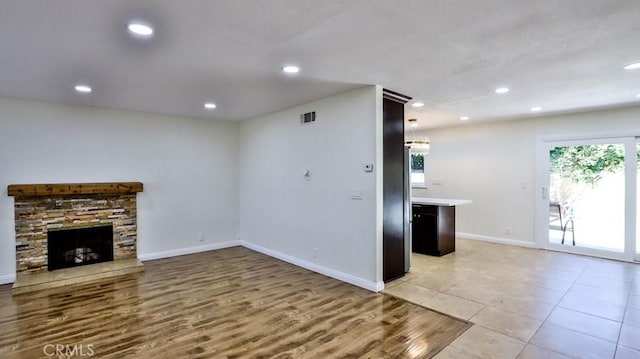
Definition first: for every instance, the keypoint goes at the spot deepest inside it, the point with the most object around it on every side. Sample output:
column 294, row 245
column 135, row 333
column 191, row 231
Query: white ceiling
column 563, row 55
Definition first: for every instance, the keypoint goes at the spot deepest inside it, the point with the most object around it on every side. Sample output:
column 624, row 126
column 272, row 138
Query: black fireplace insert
column 79, row 246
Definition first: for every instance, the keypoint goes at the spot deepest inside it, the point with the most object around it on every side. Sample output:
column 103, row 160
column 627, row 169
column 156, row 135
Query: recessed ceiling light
column 291, row 69
column 417, row 104
column 464, row 118
column 632, row 66
column 83, row 88
column 140, row 29
column 638, row 95
column 536, row 109
column 502, row 90
column 209, row 105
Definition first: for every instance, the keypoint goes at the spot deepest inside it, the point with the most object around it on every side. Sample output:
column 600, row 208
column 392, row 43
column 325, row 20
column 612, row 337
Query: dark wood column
column 393, row 256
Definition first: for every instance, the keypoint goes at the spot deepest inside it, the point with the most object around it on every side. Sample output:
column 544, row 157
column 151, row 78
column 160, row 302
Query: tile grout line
column 552, row 310
column 626, row 308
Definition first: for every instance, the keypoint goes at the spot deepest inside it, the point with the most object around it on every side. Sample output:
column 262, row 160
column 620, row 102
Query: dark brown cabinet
column 433, row 229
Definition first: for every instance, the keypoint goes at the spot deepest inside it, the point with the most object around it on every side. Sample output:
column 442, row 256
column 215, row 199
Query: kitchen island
column 433, row 225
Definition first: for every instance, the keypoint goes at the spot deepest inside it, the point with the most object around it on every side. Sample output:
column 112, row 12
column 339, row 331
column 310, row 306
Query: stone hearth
column 48, row 207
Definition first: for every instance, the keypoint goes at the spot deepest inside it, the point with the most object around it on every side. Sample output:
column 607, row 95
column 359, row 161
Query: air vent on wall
column 309, row 117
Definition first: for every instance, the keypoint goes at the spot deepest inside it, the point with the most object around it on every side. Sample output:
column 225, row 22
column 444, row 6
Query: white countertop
column 439, row 201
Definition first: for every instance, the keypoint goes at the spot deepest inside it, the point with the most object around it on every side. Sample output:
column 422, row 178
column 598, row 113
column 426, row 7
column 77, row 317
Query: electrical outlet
column 356, row 193
column 315, row 253
column 200, row 237
column 507, row 231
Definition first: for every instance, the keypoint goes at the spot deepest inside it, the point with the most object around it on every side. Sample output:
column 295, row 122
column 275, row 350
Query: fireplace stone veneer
column 41, row 208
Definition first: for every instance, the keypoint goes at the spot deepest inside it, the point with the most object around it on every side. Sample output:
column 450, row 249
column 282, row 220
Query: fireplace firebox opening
column 79, row 246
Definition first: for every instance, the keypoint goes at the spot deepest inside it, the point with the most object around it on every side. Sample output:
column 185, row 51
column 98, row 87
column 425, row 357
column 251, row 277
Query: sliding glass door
column 587, row 202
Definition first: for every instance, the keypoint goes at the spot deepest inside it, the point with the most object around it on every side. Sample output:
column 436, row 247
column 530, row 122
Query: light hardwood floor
column 230, row 303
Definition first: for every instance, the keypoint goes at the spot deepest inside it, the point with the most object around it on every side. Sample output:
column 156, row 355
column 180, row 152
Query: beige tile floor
column 529, row 303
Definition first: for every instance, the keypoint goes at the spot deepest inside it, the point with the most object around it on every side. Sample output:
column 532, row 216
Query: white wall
column 283, row 213
column 490, row 163
column 188, row 168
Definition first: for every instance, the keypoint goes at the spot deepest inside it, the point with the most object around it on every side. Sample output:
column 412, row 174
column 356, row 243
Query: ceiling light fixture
column 417, row 145
column 290, row 69
column 536, row 109
column 141, row 29
column 83, row 88
column 417, row 104
column 464, row 118
column 502, row 90
column 633, row 66
column 210, row 105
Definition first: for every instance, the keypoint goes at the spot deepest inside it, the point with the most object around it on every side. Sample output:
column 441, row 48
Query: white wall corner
column 499, row 240
column 188, row 250
column 6, row 279
column 379, row 184
column 348, row 278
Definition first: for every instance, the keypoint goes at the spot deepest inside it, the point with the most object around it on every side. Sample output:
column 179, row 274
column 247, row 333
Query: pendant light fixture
column 417, row 144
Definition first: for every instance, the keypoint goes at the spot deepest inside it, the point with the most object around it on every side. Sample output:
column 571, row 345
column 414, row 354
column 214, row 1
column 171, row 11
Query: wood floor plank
column 230, row 303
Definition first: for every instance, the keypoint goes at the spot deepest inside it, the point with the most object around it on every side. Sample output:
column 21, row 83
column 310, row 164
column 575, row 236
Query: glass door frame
column 636, row 193
column 543, row 146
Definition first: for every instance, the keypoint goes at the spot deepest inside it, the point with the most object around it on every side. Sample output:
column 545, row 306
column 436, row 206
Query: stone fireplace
column 69, row 215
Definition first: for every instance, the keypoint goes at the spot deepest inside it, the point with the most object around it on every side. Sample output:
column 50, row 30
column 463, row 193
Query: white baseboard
column 499, row 240
column 10, row 278
column 6, row 279
column 359, row 282
column 348, row 278
column 189, row 250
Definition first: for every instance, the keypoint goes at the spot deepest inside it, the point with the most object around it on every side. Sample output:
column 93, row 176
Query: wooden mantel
column 16, row 190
